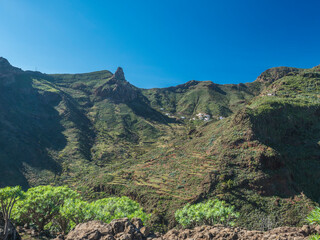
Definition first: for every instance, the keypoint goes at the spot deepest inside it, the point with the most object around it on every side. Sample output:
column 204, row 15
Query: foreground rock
column 223, row 233
column 123, row 229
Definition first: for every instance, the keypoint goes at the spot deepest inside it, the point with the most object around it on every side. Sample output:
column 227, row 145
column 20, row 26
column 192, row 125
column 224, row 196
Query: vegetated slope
column 101, row 135
column 265, row 159
column 195, row 96
column 59, row 127
column 56, row 128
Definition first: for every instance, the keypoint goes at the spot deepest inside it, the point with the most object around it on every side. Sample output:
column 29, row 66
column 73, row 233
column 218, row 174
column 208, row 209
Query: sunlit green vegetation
column 314, row 216
column 209, row 213
column 8, row 198
column 60, row 208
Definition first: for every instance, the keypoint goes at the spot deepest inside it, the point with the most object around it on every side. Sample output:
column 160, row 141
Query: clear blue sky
column 161, row 43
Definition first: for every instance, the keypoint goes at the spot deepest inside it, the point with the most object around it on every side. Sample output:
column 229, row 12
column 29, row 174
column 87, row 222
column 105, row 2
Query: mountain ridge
column 97, row 133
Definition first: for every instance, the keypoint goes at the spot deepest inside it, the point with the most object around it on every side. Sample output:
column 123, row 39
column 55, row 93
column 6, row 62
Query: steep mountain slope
column 55, row 124
column 103, row 136
column 265, row 159
column 194, row 97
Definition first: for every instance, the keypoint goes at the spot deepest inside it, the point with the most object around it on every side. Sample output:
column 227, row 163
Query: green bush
column 73, row 212
column 42, row 204
column 209, row 213
column 119, row 207
column 60, row 209
column 314, row 216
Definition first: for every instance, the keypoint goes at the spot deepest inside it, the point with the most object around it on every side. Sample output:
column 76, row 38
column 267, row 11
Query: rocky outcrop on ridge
column 117, row 89
column 273, row 74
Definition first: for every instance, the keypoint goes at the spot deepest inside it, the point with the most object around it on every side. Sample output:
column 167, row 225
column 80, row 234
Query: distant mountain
column 258, row 145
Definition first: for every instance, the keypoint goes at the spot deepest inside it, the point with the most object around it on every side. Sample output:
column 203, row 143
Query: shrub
column 209, row 213
column 60, row 209
column 314, row 216
column 42, row 204
column 8, row 198
column 118, row 207
column 314, row 237
column 73, row 212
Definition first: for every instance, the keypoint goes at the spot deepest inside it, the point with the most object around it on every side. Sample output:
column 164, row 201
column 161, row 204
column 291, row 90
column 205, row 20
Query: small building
column 203, row 116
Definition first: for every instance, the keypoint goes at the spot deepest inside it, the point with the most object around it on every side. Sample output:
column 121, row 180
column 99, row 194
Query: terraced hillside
column 96, row 132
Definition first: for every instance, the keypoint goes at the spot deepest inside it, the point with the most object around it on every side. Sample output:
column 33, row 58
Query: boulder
column 123, row 229
column 119, row 229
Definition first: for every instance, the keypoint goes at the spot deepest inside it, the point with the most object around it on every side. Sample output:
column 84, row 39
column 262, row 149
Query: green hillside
column 259, row 149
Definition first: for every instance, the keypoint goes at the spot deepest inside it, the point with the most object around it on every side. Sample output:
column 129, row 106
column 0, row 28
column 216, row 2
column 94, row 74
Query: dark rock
column 120, row 229
column 145, row 231
column 118, row 225
column 137, row 222
column 119, row 74
column 96, row 235
column 306, row 230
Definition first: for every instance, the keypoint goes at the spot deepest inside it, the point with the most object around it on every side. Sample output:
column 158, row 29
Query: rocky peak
column 6, row 67
column 117, row 88
column 4, row 63
column 119, row 74
column 273, row 74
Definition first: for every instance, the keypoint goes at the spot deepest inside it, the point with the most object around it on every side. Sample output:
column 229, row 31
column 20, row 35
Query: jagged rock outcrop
column 119, row 74
column 120, row 229
column 220, row 232
column 123, row 229
column 117, row 89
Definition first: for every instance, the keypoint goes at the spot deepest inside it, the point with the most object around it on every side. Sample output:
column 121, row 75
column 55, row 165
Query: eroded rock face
column 120, row 229
column 123, row 229
column 117, row 89
column 119, row 74
column 220, row 232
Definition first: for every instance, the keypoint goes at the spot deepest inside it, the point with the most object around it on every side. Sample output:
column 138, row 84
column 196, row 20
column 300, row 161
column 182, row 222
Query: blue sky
column 161, row 43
